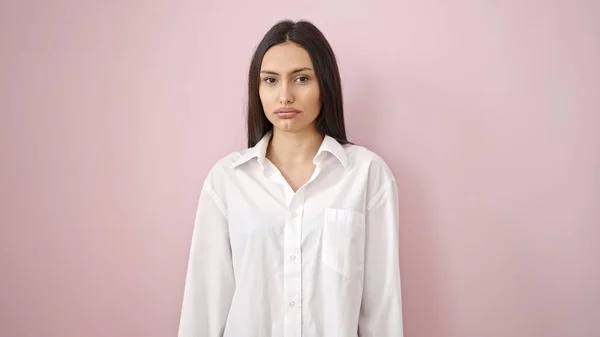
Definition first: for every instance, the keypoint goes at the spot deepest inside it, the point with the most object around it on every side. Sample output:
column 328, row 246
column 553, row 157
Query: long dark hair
column 331, row 118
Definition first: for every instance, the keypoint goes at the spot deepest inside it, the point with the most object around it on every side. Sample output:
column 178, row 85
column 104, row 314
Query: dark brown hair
column 331, row 117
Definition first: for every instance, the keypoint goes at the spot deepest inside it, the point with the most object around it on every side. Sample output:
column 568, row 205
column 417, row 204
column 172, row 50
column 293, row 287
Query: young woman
column 297, row 235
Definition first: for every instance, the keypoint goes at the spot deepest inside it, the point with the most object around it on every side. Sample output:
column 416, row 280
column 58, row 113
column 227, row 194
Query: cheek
column 266, row 94
column 313, row 99
column 264, row 99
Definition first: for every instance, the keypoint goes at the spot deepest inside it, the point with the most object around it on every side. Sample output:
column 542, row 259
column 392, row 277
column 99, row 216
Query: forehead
column 286, row 57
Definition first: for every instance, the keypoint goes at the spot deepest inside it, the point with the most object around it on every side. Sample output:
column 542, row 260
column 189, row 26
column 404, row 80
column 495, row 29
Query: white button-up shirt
column 266, row 261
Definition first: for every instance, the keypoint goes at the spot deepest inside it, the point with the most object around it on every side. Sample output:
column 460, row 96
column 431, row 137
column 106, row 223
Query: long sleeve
column 209, row 283
column 381, row 307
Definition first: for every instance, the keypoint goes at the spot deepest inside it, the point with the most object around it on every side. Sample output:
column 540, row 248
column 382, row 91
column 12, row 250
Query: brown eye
column 269, row 80
column 302, row 79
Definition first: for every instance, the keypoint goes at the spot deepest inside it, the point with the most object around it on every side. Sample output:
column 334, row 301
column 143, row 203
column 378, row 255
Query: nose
column 286, row 95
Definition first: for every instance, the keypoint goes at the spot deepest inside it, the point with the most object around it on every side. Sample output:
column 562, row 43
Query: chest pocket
column 343, row 241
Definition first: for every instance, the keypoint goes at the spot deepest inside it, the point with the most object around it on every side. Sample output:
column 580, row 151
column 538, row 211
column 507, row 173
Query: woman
column 298, row 234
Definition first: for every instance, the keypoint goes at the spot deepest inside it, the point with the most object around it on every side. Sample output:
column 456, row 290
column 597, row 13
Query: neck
column 294, row 148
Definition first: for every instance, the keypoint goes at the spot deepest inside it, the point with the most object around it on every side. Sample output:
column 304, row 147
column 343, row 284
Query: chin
column 292, row 125
column 287, row 127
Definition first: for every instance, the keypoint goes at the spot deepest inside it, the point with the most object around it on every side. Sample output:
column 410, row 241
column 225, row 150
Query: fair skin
column 288, row 81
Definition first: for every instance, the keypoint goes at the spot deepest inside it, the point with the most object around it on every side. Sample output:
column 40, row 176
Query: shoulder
column 223, row 167
column 373, row 170
column 363, row 158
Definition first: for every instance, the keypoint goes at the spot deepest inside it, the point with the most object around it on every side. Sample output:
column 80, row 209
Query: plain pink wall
column 488, row 112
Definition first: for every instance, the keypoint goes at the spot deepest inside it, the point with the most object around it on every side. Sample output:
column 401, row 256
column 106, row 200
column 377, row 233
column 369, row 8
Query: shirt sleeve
column 209, row 283
column 381, row 307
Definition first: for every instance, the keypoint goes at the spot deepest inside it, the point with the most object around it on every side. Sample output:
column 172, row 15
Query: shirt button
column 292, row 304
column 293, row 257
column 294, row 215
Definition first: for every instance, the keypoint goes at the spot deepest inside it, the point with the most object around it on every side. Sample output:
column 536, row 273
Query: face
column 289, row 89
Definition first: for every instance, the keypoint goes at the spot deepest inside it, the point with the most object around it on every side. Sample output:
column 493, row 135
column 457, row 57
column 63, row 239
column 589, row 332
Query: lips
column 286, row 113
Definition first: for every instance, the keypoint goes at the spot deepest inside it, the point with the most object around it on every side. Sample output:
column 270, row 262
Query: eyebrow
column 293, row 72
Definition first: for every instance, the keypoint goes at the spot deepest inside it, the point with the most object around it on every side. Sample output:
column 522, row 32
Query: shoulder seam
column 220, row 205
column 377, row 196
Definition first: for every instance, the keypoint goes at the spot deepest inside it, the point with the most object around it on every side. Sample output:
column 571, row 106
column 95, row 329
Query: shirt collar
column 259, row 151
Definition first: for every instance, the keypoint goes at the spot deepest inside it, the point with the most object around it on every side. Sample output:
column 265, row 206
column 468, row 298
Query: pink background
column 488, row 112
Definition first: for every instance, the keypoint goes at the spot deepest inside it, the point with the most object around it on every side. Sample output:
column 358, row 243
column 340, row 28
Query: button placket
column 293, row 264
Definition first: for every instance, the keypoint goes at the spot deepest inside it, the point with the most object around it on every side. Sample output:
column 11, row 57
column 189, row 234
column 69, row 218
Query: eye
column 269, row 80
column 302, row 79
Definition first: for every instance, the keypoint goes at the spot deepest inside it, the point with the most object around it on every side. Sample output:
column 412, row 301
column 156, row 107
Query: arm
column 381, row 307
column 209, row 283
